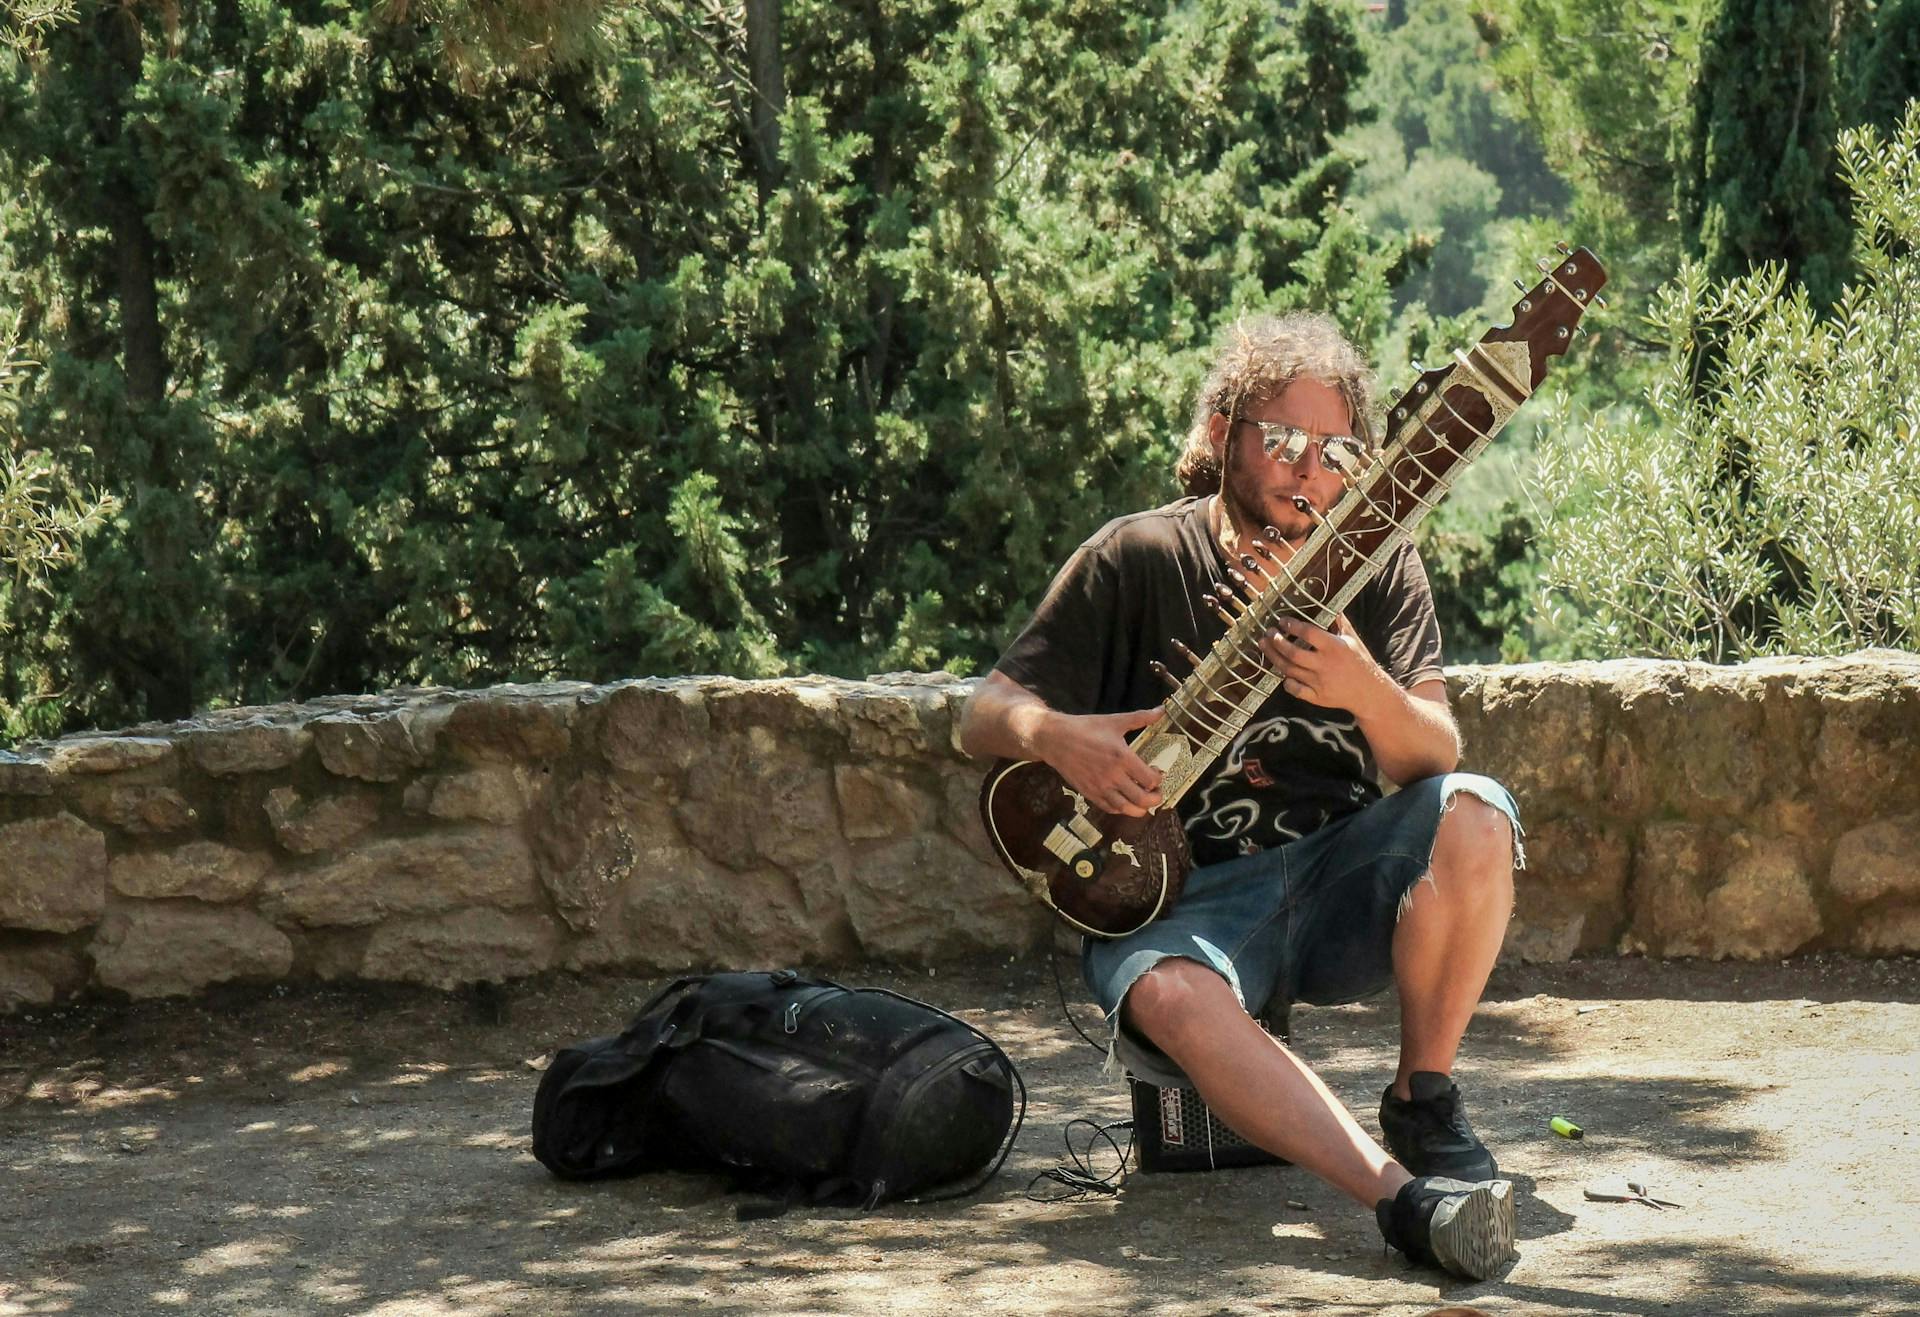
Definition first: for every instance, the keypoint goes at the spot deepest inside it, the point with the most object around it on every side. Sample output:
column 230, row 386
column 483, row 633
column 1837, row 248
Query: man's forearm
column 1003, row 720
column 1411, row 736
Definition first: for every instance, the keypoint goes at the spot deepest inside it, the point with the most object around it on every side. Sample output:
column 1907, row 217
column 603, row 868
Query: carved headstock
column 1545, row 320
column 1548, row 314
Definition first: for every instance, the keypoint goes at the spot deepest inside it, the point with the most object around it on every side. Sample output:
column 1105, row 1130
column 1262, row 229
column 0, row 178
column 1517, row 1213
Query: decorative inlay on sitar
column 1109, row 874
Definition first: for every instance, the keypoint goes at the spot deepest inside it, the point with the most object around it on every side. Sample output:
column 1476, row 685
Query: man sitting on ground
column 1310, row 885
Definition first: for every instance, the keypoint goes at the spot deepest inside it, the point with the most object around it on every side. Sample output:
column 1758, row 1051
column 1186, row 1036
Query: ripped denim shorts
column 1311, row 921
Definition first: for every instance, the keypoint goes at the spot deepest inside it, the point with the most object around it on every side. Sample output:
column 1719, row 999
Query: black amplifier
column 1173, row 1130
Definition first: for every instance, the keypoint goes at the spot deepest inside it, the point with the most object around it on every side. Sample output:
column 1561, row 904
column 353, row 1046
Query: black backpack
column 794, row 1085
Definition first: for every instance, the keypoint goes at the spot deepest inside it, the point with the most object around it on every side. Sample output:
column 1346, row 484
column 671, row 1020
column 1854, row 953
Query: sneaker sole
column 1471, row 1234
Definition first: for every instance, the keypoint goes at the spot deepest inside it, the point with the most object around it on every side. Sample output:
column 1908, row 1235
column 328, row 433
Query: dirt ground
column 364, row 1151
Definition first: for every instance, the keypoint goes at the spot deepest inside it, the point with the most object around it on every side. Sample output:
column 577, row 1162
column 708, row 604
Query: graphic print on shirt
column 1226, row 812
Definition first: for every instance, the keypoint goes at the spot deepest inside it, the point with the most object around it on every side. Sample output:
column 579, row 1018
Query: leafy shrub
column 1767, row 499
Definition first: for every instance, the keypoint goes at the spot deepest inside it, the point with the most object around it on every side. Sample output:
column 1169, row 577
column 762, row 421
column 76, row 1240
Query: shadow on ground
column 365, row 1151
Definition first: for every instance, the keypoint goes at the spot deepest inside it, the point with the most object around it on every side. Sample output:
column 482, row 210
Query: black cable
column 1053, row 960
column 1079, row 1181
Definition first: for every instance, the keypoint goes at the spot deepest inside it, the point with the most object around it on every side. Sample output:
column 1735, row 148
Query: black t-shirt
column 1140, row 583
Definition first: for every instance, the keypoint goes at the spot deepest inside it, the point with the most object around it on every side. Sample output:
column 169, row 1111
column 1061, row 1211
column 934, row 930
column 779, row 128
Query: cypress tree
column 1759, row 184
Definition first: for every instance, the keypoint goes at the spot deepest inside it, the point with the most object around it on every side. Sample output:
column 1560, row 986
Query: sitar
column 1108, row 875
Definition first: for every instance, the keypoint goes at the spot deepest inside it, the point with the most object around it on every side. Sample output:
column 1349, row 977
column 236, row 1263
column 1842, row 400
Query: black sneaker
column 1429, row 1134
column 1466, row 1229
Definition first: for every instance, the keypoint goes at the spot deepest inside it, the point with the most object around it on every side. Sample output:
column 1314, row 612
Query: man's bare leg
column 1261, row 1090
column 1448, row 938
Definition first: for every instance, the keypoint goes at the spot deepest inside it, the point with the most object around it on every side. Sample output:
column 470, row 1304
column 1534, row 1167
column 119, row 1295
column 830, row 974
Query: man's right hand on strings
column 1091, row 752
column 1006, row 720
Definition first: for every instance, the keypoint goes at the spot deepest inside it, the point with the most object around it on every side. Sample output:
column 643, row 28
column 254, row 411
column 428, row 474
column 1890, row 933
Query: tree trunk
column 164, row 672
column 768, row 94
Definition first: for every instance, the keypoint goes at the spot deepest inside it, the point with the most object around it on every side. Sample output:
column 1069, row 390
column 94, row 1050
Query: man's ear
column 1217, row 437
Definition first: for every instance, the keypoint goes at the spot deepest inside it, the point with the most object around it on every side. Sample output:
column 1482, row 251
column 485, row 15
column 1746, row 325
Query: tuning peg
column 1187, row 654
column 1271, row 534
column 1543, row 265
column 1521, row 286
column 1600, row 301
column 1161, row 671
column 1261, row 548
column 1247, row 588
column 1563, row 249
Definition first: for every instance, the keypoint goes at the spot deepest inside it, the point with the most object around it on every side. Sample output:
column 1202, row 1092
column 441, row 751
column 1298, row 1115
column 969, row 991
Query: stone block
column 747, row 803
column 371, row 747
column 21, row 776
column 1673, row 867
column 1867, row 747
column 892, row 722
column 1577, row 860
column 591, row 843
column 877, row 804
column 1547, row 941
column 1700, row 775
column 39, row 975
column 203, row 870
column 468, row 946
column 960, row 810
column 927, row 897
column 1894, row 931
column 956, row 697
column 80, row 756
column 169, row 950
column 1536, row 729
column 1879, row 859
column 53, row 874
column 505, row 724
column 226, row 749
column 702, row 914
column 1574, row 886
column 139, row 810
column 311, row 827
column 651, row 726
column 1763, row 906
column 429, row 874
column 805, row 710
column 497, row 794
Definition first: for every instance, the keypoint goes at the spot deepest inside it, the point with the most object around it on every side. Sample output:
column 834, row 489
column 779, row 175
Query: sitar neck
column 1435, row 430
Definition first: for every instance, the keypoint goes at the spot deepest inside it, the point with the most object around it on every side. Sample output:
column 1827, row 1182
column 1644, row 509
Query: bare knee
column 1474, row 844
column 1167, row 998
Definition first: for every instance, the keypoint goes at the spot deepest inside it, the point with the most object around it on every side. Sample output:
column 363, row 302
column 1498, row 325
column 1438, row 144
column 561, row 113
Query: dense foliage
column 462, row 341
column 711, row 352
column 1757, row 181
column 1814, row 551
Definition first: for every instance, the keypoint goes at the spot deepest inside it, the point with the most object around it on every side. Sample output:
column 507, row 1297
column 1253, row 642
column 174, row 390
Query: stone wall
column 1680, row 809
column 444, row 837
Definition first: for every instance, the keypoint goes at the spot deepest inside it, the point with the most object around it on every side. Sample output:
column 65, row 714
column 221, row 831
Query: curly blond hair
column 1257, row 358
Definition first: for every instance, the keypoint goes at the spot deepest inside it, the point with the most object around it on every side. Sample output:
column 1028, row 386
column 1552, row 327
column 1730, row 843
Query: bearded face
column 1257, row 489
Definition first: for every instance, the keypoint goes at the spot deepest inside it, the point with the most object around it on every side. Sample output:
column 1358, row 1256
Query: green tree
column 801, row 334
column 1879, row 62
column 1606, row 87
column 1757, row 184
column 1651, row 552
